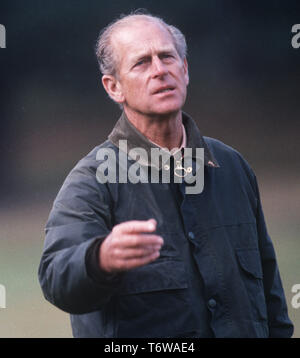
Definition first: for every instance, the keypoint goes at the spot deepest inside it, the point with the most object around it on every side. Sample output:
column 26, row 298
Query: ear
column 186, row 71
column 113, row 87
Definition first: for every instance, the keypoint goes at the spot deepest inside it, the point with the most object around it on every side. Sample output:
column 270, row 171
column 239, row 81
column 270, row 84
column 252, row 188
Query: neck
column 166, row 131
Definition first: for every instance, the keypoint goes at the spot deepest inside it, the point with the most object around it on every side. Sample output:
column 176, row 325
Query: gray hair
column 105, row 51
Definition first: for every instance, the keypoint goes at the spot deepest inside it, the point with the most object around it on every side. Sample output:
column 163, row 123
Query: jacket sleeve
column 280, row 325
column 79, row 219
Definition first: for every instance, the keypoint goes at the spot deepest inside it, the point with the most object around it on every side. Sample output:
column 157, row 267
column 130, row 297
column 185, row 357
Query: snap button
column 166, row 167
column 191, row 235
column 212, row 303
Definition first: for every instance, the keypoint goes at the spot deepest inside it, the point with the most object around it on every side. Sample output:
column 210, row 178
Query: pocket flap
column 249, row 260
column 159, row 275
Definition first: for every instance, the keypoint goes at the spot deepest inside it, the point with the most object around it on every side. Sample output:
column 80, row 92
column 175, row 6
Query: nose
column 159, row 69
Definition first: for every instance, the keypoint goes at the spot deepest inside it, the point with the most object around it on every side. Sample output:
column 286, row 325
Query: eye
column 139, row 63
column 166, row 55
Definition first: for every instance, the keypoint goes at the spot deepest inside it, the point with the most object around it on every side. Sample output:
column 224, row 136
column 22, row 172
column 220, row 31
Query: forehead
column 141, row 38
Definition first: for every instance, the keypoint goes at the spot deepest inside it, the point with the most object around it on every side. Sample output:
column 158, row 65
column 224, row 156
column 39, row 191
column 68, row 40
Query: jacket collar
column 125, row 130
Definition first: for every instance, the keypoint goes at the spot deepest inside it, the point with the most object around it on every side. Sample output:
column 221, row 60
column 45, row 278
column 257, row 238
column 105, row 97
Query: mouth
column 164, row 89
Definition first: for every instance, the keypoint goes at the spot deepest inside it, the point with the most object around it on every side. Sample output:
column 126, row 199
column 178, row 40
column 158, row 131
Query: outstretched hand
column 129, row 245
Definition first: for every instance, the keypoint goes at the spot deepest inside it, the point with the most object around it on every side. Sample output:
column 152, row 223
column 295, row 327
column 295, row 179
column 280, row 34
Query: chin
column 168, row 109
column 167, row 106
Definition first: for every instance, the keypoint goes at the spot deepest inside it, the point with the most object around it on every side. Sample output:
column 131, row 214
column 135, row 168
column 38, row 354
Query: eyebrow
column 142, row 56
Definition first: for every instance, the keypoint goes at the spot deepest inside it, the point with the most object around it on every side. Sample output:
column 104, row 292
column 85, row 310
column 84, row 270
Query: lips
column 164, row 89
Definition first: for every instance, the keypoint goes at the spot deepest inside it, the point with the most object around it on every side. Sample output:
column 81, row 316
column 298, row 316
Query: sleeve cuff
column 92, row 262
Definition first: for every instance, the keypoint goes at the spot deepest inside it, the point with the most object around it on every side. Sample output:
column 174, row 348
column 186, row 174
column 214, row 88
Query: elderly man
column 147, row 259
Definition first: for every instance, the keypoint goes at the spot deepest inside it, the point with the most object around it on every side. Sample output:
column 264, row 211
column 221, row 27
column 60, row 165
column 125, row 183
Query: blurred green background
column 244, row 90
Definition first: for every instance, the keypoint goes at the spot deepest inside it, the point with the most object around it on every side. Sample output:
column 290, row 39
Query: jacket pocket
column 153, row 302
column 249, row 262
column 160, row 275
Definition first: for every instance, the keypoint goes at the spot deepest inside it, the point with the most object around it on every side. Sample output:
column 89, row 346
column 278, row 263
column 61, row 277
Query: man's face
column 151, row 76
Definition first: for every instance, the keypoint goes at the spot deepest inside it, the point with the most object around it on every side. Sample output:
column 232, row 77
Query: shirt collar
column 125, row 130
column 183, row 142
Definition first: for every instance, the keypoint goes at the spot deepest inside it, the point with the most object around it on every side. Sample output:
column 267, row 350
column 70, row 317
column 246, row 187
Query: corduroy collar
column 125, row 130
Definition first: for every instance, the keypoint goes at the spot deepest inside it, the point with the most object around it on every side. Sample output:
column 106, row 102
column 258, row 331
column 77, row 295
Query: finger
column 137, row 262
column 135, row 226
column 139, row 241
column 140, row 252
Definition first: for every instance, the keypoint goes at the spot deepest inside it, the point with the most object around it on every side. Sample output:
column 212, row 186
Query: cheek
column 135, row 89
